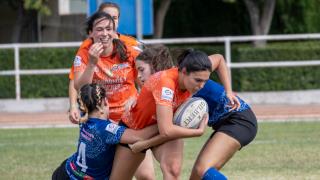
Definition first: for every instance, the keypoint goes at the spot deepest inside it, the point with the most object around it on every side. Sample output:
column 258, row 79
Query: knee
column 145, row 175
column 172, row 168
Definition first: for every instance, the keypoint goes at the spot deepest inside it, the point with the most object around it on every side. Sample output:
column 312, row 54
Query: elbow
column 166, row 133
column 76, row 85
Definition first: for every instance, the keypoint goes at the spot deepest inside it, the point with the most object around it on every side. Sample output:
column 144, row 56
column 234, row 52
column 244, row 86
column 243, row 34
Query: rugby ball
column 190, row 113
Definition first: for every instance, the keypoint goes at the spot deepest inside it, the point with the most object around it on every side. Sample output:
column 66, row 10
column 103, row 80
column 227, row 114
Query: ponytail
column 183, row 56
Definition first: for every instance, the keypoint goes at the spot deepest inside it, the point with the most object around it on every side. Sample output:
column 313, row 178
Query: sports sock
column 213, row 174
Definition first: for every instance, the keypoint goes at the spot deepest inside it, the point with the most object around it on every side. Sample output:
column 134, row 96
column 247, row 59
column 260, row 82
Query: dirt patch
column 263, row 112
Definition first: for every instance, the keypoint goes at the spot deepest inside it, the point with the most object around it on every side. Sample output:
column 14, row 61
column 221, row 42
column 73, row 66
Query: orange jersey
column 120, row 87
column 160, row 89
column 127, row 40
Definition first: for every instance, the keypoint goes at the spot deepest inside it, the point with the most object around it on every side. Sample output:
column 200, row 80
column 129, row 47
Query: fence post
column 227, row 46
column 139, row 20
column 17, row 71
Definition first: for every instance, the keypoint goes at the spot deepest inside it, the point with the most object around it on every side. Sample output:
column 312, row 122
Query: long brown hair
column 157, row 56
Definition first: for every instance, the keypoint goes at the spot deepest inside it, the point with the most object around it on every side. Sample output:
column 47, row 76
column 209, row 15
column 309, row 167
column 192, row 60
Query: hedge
column 37, row 86
column 247, row 79
column 277, row 78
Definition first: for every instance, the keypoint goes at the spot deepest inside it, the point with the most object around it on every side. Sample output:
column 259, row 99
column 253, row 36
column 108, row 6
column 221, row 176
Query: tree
column 261, row 14
column 298, row 16
column 27, row 15
column 161, row 12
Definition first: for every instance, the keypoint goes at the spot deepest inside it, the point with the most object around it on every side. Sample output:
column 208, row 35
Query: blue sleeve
column 114, row 133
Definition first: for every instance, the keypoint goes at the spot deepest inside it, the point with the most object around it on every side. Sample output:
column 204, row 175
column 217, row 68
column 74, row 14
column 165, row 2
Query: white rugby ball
column 190, row 113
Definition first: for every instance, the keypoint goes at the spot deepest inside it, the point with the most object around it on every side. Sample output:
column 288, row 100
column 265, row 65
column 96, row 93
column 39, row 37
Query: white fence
column 226, row 40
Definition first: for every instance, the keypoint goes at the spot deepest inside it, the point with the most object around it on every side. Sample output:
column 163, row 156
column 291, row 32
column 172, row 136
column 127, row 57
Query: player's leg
column 145, row 170
column 236, row 130
column 215, row 153
column 170, row 156
column 125, row 163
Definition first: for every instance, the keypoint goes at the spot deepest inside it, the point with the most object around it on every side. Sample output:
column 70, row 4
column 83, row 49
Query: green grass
column 288, row 150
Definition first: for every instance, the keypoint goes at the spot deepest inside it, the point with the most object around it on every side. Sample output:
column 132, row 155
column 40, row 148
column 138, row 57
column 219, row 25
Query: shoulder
column 85, row 45
column 132, row 52
column 215, row 60
column 172, row 73
column 128, row 40
column 84, row 48
column 131, row 42
column 167, row 77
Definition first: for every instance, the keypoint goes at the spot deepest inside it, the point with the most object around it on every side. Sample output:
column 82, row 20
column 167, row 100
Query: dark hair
column 109, row 4
column 120, row 48
column 98, row 15
column 194, row 61
column 90, row 98
column 157, row 56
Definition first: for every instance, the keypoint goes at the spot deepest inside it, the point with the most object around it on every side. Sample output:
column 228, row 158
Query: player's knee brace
column 213, row 174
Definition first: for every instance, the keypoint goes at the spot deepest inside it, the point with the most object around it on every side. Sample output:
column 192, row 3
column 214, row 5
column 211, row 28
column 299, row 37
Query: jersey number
column 81, row 159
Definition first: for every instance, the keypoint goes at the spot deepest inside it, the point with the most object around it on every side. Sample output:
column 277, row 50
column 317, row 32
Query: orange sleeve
column 80, row 57
column 163, row 93
column 80, row 61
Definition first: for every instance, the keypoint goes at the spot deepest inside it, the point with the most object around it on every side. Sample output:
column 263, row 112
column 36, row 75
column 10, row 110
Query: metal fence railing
column 227, row 41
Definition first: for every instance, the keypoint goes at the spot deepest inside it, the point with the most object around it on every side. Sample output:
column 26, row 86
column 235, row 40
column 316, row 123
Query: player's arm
column 131, row 136
column 167, row 130
column 160, row 139
column 85, row 77
column 74, row 113
column 82, row 78
column 170, row 131
column 219, row 65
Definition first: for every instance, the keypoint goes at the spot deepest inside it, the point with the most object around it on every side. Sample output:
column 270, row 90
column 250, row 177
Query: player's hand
column 234, row 102
column 94, row 53
column 74, row 115
column 203, row 123
column 137, row 147
column 131, row 102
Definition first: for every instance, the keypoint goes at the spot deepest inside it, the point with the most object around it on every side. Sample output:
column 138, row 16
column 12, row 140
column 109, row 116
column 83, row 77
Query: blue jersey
column 96, row 149
column 215, row 95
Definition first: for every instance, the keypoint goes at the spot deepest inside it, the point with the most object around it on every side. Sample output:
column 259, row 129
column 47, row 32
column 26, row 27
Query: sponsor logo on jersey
column 113, row 128
column 167, row 94
column 117, row 67
column 77, row 61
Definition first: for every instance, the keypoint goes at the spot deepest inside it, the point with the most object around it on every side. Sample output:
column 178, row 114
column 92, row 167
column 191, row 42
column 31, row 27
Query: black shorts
column 240, row 125
column 60, row 173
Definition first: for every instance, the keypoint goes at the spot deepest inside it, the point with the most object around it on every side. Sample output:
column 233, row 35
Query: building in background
column 24, row 26
column 66, row 21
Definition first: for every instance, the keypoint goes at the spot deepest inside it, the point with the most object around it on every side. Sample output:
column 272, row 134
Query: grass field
column 286, row 150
